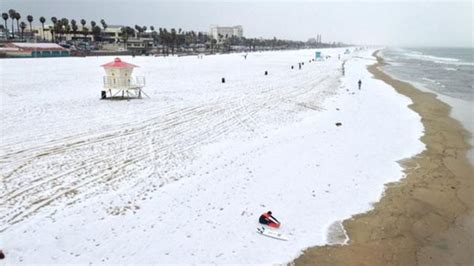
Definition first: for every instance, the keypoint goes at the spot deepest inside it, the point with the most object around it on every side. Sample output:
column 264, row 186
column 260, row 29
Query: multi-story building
column 222, row 33
column 113, row 33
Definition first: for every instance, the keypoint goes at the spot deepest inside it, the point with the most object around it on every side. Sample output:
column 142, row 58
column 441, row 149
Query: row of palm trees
column 13, row 15
column 173, row 39
column 60, row 26
column 64, row 26
column 169, row 39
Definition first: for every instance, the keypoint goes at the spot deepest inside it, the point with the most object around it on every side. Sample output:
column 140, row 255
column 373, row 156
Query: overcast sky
column 400, row 23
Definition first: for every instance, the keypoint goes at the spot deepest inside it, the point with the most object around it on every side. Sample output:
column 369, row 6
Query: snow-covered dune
column 183, row 176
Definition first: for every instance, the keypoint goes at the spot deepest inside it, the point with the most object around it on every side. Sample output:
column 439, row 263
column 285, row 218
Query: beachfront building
column 222, row 33
column 48, row 34
column 118, row 81
column 140, row 45
column 15, row 49
column 44, row 33
column 112, row 34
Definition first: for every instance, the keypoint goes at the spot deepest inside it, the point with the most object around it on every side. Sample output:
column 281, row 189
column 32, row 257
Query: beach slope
column 426, row 218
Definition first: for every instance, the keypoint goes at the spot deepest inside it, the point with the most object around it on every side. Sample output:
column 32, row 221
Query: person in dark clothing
column 267, row 219
column 360, row 83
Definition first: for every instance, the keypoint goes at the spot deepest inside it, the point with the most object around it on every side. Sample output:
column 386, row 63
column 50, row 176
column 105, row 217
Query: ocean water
column 448, row 72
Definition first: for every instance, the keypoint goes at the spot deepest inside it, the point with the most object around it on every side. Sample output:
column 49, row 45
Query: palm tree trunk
column 13, row 30
column 42, row 26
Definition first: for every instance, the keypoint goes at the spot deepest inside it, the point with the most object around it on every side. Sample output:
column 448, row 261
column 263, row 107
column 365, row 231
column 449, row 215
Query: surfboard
column 271, row 233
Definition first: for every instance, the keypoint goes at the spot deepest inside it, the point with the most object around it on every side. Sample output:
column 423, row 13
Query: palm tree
column 126, row 33
column 53, row 31
column 124, row 36
column 58, row 29
column 22, row 26
column 155, row 37
column 85, row 31
column 30, row 20
column 188, row 38
column 104, row 26
column 139, row 30
column 83, row 23
column 93, row 24
column 161, row 39
column 5, row 17
column 65, row 28
column 12, row 14
column 96, row 32
column 173, row 40
column 213, row 44
column 74, row 27
column 42, row 20
column 17, row 17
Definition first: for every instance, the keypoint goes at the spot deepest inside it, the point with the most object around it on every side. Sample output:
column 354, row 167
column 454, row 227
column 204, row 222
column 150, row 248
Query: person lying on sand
column 267, row 219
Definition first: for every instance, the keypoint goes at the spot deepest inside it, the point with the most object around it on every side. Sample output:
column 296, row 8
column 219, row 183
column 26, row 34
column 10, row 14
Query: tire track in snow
column 129, row 150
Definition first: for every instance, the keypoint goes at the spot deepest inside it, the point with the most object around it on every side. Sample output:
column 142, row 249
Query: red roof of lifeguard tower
column 117, row 63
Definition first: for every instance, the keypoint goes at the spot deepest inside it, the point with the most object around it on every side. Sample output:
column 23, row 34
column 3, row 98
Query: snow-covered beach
column 183, row 176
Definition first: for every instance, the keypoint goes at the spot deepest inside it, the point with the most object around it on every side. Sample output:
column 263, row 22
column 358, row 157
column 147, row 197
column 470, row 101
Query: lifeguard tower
column 317, row 56
column 118, row 81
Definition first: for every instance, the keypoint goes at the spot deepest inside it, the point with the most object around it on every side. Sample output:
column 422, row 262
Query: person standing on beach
column 360, row 83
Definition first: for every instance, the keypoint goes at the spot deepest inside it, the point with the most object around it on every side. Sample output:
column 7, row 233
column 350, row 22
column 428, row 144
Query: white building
column 222, row 33
column 113, row 33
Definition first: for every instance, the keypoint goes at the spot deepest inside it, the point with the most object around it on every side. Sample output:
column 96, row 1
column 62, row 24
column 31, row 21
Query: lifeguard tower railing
column 122, row 83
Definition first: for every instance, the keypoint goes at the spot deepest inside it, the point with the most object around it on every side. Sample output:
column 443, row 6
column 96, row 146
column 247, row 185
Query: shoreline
column 426, row 217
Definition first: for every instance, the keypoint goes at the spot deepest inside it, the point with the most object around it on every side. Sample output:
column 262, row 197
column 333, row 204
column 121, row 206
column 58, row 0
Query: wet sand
column 428, row 217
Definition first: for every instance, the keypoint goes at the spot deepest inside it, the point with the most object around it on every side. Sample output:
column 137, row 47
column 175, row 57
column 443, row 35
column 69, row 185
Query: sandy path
column 426, row 218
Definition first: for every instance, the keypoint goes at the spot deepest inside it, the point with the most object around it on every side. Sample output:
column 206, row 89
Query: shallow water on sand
column 448, row 72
